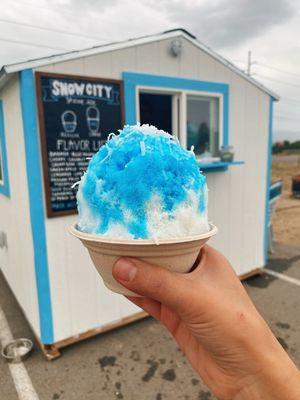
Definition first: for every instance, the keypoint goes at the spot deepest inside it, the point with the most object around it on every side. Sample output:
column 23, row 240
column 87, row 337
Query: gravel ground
column 286, row 222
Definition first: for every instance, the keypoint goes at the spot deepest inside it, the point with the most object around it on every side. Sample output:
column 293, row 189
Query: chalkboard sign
column 76, row 115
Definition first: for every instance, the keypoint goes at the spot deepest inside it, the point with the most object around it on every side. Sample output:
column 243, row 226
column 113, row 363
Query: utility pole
column 249, row 63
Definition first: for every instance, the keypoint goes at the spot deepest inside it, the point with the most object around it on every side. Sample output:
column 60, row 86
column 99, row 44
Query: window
column 193, row 116
column 203, row 124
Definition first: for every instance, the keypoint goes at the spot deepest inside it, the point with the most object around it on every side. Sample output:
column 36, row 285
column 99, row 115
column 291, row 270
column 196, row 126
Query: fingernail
column 125, row 270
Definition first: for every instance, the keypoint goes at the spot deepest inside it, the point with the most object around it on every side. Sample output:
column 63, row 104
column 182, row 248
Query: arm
column 216, row 325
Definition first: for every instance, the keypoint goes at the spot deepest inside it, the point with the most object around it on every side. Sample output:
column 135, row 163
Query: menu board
column 76, row 115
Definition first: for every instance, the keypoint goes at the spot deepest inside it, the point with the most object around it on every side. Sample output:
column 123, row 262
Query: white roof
column 38, row 62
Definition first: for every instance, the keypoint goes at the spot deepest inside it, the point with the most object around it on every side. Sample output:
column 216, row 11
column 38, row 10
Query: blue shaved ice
column 141, row 184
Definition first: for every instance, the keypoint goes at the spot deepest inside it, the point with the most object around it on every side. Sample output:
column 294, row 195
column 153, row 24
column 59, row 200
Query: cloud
column 92, row 5
column 227, row 23
column 269, row 28
column 285, row 134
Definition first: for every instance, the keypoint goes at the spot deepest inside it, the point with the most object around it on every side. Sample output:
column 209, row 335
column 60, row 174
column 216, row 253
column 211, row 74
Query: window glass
column 203, row 124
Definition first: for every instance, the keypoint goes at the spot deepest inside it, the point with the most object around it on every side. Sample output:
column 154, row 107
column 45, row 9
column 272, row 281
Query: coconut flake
column 109, row 151
column 143, row 148
column 112, row 134
column 75, row 184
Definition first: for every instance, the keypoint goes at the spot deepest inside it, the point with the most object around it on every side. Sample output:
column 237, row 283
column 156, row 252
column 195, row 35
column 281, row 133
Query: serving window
column 194, row 117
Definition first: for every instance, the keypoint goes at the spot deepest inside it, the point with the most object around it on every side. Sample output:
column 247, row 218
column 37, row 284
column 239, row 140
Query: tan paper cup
column 174, row 254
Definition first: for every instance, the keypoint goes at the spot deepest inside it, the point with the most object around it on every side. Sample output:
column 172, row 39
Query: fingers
column 169, row 288
column 168, row 317
column 212, row 265
column 152, row 307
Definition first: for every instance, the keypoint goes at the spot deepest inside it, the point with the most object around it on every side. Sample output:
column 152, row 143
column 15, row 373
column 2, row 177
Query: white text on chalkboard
column 60, row 88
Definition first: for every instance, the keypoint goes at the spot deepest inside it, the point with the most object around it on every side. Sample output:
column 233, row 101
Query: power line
column 277, row 81
column 277, row 69
column 50, row 29
column 32, row 44
column 44, row 8
column 263, row 65
column 238, row 61
column 248, row 63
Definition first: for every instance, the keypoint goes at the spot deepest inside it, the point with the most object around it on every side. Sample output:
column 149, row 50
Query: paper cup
column 177, row 255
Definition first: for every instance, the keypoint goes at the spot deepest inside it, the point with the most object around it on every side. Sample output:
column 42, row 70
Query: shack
column 56, row 111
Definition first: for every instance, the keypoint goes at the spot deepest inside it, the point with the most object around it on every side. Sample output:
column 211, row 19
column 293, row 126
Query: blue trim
column 133, row 79
column 36, row 203
column 218, row 166
column 268, row 182
column 4, row 187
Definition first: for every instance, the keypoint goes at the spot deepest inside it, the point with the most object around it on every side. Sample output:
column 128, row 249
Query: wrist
column 287, row 388
column 277, row 377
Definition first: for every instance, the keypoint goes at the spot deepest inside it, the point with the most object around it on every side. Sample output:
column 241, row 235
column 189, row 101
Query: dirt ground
column 286, row 222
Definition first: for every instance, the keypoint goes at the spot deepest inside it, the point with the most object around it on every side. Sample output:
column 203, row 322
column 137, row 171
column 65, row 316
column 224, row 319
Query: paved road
column 141, row 361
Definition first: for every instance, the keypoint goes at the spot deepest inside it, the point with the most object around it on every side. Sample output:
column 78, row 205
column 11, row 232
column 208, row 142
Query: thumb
column 169, row 288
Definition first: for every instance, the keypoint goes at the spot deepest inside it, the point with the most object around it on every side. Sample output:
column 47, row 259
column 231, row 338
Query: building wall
column 17, row 261
column 236, row 197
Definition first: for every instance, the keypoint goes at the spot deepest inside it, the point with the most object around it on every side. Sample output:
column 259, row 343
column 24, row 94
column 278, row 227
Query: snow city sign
column 76, row 115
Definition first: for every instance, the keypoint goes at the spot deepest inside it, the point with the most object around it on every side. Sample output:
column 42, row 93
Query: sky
column 267, row 28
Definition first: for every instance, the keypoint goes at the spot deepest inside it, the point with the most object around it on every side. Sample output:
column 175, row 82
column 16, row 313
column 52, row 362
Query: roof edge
column 39, row 62
column 181, row 30
column 4, row 78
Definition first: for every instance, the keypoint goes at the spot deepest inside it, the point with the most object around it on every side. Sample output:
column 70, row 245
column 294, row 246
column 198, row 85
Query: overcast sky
column 269, row 28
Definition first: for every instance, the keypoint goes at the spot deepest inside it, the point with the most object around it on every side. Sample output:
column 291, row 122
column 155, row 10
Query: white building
column 54, row 111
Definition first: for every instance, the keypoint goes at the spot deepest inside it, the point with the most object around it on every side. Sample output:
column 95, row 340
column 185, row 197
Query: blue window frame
column 132, row 81
column 4, row 184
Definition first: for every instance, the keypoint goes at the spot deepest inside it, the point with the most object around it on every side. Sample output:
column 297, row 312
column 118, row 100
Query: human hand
column 216, row 325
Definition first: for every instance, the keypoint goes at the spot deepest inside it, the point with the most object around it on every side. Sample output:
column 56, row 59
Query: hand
column 216, row 325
